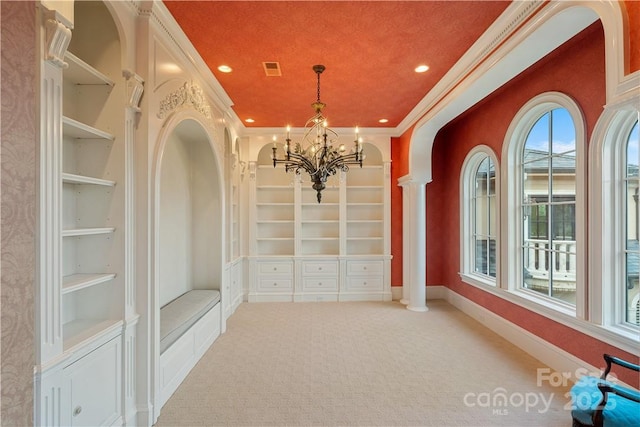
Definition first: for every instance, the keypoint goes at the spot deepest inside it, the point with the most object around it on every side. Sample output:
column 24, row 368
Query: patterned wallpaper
column 18, row 210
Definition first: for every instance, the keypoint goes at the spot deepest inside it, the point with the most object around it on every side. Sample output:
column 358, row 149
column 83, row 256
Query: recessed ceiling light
column 224, row 69
column 249, row 120
column 383, row 120
column 421, row 68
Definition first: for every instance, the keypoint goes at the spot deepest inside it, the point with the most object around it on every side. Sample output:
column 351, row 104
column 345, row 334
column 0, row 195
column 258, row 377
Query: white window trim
column 607, row 219
column 511, row 232
column 467, row 177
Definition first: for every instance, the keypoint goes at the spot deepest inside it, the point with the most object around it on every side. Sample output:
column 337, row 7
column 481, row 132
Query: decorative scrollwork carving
column 135, row 88
column 58, row 36
column 188, row 95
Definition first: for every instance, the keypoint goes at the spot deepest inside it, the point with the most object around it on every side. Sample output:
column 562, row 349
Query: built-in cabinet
column 336, row 250
column 86, row 320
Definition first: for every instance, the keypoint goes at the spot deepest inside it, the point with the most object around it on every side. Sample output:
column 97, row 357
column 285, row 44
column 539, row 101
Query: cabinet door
column 95, row 384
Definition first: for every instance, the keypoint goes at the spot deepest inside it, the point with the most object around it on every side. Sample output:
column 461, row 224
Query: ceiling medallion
column 315, row 153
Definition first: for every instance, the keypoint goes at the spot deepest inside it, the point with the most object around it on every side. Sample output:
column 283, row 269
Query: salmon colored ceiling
column 370, row 50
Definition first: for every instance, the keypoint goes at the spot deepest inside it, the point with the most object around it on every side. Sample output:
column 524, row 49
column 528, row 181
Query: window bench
column 180, row 314
column 188, row 326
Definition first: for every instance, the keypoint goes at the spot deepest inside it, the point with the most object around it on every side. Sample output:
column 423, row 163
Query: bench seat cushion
column 180, row 314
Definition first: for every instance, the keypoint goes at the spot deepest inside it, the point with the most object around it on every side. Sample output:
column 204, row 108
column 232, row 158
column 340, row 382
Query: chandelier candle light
column 316, row 153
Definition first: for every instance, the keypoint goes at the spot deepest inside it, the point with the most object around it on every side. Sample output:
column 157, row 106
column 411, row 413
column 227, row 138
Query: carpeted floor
column 363, row 364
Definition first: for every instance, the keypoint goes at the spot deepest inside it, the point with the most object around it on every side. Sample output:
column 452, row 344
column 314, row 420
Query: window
column 544, row 212
column 479, row 216
column 549, row 187
column 614, row 222
column 631, row 294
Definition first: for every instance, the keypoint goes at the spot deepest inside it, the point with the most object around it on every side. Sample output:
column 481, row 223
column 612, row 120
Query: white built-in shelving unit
column 302, row 250
column 84, row 320
column 92, row 207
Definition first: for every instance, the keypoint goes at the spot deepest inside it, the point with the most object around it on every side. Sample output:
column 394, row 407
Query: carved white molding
column 135, row 88
column 252, row 171
column 243, row 168
column 234, row 161
column 58, row 36
column 188, row 95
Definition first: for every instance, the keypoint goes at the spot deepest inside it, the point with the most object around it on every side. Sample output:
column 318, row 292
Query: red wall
column 633, row 12
column 399, row 168
column 577, row 69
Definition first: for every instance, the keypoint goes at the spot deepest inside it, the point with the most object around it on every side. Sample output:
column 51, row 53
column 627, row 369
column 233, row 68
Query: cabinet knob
column 275, row 268
column 275, row 284
column 319, row 268
column 77, row 411
column 319, row 283
column 364, row 268
column 365, row 283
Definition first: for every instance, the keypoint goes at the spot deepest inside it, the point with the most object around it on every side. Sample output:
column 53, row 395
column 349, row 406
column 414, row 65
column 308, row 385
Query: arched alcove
column 190, row 215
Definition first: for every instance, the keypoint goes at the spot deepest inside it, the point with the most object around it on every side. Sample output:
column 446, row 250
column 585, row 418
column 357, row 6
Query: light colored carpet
column 362, row 364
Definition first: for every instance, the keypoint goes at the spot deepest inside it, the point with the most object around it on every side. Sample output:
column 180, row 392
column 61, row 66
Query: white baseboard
column 554, row 357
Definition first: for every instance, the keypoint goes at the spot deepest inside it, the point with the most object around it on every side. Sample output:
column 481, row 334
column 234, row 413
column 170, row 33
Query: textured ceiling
column 370, row 50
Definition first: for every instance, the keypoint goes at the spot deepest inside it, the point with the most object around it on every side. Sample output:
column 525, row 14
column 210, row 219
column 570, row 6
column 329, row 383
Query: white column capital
column 409, row 180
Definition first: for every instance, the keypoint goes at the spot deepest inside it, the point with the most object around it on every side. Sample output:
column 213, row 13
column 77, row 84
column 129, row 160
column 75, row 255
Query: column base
column 417, row 309
column 404, row 301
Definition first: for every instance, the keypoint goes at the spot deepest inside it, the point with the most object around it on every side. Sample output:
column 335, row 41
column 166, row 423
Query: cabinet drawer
column 364, row 283
column 320, row 284
column 364, row 268
column 320, row 268
column 275, row 267
column 275, row 285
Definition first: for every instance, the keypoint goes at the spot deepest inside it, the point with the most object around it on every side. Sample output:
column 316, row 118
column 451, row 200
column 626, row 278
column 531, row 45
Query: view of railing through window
column 549, row 255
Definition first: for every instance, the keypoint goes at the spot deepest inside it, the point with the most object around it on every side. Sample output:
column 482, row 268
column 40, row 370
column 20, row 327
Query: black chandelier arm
column 288, row 156
column 349, row 159
column 293, row 166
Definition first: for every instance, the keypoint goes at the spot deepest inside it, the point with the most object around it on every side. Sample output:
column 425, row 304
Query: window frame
column 607, row 221
column 467, row 245
column 512, row 231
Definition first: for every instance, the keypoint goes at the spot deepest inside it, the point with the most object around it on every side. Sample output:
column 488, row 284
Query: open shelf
column 74, row 232
column 78, row 130
column 80, row 330
column 69, row 178
column 75, row 282
column 81, row 73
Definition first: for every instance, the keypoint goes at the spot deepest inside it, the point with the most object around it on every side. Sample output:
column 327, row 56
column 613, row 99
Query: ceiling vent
column 272, row 69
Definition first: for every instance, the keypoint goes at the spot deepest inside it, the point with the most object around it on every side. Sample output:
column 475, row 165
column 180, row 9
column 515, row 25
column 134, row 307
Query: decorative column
column 134, row 90
column 406, row 249
column 414, row 244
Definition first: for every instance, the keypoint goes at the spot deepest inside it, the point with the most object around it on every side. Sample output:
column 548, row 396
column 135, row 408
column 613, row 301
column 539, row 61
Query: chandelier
column 316, row 153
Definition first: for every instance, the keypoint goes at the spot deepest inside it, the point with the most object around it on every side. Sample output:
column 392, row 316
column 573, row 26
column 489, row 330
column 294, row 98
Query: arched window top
column 532, row 126
column 553, row 133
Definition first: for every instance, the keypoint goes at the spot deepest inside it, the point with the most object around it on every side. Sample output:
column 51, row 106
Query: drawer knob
column 319, row 283
column 275, row 268
column 275, row 284
column 365, row 283
column 364, row 268
column 319, row 268
column 77, row 411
